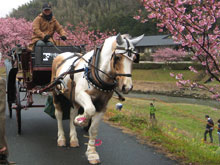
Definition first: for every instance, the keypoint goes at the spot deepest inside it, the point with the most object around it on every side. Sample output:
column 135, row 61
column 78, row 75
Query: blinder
column 116, row 58
column 132, row 55
column 131, row 51
column 137, row 58
column 128, row 53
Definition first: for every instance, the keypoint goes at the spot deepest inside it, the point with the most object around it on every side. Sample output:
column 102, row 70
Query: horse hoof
column 94, row 162
column 93, row 158
column 74, row 144
column 61, row 143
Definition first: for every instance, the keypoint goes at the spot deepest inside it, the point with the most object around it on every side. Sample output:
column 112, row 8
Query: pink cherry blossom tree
column 14, row 31
column 168, row 55
column 194, row 23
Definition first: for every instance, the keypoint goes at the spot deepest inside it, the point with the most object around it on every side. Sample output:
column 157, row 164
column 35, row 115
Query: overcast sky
column 6, row 6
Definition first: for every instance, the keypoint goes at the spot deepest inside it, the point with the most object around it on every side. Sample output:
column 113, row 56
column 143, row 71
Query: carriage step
column 30, row 106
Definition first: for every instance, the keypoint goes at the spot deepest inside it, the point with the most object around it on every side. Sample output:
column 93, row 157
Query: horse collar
column 93, row 77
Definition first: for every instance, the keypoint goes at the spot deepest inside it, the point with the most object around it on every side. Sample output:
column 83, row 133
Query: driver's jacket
column 41, row 27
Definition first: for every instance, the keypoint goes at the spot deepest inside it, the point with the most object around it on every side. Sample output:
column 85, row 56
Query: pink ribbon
column 81, row 119
column 98, row 142
column 3, row 149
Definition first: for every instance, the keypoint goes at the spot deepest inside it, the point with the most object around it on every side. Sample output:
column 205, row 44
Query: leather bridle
column 131, row 55
column 93, row 71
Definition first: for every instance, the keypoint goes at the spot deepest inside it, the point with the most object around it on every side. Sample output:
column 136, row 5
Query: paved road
column 37, row 144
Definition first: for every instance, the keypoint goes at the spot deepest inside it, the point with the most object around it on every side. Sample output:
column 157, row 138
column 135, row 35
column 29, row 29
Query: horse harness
column 92, row 74
column 92, row 71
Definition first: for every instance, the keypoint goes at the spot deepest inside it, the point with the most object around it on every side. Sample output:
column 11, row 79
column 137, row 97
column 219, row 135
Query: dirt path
column 168, row 88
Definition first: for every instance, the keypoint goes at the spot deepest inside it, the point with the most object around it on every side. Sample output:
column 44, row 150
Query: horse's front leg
column 73, row 135
column 92, row 155
column 61, row 140
column 84, row 100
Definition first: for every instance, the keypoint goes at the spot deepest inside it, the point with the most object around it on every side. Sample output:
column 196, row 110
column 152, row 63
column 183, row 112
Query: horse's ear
column 119, row 39
column 137, row 39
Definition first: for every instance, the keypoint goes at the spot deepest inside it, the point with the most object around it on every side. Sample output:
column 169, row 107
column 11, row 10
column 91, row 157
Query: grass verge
column 161, row 75
column 178, row 131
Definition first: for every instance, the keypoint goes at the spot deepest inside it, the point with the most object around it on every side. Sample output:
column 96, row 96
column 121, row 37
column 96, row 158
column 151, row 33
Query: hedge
column 173, row 65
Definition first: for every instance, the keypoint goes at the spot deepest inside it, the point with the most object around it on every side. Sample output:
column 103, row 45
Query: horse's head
column 123, row 57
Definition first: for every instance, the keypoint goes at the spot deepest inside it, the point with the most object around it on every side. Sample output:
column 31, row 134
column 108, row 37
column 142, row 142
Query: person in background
column 209, row 128
column 218, row 132
column 44, row 26
column 152, row 111
column 3, row 142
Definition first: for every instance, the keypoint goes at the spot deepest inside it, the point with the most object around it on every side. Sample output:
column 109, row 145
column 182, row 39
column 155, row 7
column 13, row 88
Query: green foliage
column 118, row 117
column 173, row 66
column 218, row 151
column 124, row 23
column 104, row 15
column 28, row 11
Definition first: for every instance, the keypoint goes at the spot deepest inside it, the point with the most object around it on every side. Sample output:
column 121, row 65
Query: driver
column 44, row 26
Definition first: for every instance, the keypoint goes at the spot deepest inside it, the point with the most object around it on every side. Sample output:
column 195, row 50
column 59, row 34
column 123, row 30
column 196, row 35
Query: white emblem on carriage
column 47, row 56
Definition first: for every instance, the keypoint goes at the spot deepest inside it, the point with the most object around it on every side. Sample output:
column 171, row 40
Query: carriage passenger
column 44, row 26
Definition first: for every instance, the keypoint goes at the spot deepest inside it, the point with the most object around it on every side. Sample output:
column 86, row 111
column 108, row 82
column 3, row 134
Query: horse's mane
column 123, row 35
column 126, row 36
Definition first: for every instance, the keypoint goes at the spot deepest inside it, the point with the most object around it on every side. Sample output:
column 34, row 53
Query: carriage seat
column 43, row 55
column 42, row 58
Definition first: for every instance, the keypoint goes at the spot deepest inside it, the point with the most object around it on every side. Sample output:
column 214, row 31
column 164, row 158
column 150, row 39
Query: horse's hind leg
column 61, row 141
column 92, row 155
column 73, row 135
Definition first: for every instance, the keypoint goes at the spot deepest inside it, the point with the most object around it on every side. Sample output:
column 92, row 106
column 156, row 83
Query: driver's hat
column 46, row 6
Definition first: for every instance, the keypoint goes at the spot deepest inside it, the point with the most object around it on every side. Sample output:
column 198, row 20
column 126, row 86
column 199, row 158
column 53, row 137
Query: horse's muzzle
column 126, row 89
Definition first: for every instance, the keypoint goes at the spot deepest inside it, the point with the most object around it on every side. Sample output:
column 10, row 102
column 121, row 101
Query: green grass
column 179, row 128
column 161, row 75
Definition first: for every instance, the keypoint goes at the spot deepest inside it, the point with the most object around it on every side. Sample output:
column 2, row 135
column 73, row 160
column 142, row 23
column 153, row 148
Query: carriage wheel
column 18, row 108
column 10, row 109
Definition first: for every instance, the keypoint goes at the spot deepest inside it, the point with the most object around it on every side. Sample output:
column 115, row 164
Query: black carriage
column 27, row 72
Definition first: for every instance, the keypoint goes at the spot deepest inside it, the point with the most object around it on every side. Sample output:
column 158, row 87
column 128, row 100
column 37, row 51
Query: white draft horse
column 106, row 68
